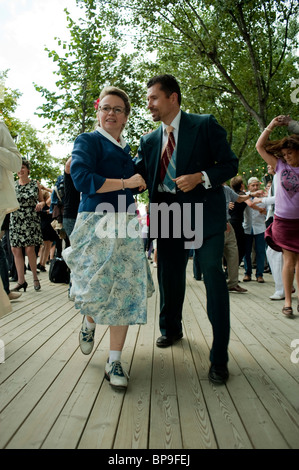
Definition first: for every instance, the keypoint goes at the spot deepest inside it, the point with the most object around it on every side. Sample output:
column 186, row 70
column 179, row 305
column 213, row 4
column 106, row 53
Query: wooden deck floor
column 54, row 397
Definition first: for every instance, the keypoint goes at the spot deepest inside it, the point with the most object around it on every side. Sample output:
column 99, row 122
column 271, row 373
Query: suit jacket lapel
column 187, row 135
column 155, row 148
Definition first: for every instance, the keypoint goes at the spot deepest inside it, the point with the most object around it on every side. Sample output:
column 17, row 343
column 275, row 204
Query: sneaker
column 115, row 374
column 86, row 338
column 277, row 296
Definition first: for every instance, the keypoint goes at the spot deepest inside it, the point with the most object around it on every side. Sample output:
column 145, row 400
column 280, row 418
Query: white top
column 10, row 162
column 121, row 143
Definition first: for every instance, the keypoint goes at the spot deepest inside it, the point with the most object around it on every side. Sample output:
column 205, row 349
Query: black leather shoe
column 165, row 341
column 218, row 375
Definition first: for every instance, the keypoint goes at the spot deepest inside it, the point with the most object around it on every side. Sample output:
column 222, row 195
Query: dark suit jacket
column 202, row 146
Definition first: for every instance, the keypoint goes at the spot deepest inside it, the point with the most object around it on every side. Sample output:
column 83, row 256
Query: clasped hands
column 184, row 183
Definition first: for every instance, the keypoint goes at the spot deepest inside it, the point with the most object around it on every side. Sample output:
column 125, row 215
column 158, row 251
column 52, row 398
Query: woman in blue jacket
column 110, row 274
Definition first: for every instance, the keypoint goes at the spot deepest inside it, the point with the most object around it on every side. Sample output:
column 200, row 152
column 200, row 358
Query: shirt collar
column 122, row 143
column 175, row 123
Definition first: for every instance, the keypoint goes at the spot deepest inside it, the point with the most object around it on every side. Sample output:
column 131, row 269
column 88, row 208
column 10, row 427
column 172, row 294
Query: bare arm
column 263, row 139
column 67, row 167
column 136, row 181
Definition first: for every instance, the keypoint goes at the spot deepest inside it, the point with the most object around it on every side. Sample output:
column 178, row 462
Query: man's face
column 159, row 104
column 254, row 186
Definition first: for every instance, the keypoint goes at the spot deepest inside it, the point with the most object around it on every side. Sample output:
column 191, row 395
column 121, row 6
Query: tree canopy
column 90, row 60
column 235, row 59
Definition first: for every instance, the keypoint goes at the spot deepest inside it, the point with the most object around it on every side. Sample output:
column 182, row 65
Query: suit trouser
column 196, row 266
column 231, row 255
column 172, row 262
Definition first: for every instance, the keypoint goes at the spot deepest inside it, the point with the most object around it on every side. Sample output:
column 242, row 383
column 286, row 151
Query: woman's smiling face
column 112, row 122
column 291, row 156
column 23, row 171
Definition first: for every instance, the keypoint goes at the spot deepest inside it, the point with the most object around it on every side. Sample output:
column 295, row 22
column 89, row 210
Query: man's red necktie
column 167, row 153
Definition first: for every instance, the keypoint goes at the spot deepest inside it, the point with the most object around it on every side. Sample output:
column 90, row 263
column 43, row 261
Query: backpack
column 59, row 271
column 59, row 189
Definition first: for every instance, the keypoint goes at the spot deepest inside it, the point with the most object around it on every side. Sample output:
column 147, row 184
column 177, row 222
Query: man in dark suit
column 199, row 161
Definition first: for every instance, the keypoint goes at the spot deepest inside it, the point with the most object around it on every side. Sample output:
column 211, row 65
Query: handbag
column 59, row 271
column 56, row 225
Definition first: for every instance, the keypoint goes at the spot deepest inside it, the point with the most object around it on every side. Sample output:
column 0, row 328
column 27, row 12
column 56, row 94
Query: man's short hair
column 236, row 183
column 253, row 179
column 168, row 84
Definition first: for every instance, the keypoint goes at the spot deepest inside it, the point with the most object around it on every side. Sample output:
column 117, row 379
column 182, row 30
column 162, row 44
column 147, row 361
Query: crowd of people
column 185, row 162
column 27, row 231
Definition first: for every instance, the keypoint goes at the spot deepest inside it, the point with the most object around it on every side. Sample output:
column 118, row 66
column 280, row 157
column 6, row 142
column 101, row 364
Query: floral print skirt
column 110, row 275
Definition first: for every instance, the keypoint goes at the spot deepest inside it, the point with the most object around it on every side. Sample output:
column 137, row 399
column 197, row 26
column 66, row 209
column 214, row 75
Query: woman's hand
column 39, row 206
column 280, row 120
column 136, row 181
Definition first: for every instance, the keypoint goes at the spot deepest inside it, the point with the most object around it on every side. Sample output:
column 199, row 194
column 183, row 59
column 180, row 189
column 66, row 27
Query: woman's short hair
column 26, row 163
column 112, row 90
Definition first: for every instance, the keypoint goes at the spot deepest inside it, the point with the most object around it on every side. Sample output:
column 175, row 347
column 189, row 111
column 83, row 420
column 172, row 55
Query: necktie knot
column 169, row 129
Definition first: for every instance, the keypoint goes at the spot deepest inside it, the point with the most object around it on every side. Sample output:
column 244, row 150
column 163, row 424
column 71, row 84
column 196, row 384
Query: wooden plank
column 165, row 432
column 279, row 409
column 37, row 356
column 71, row 421
column 259, row 426
column 132, row 432
column 269, row 363
column 24, row 403
column 229, row 429
column 101, row 427
column 197, row 431
column 20, row 350
column 34, row 430
column 53, row 397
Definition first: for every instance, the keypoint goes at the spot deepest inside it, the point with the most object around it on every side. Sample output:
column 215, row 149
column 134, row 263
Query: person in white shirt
column 254, row 228
column 274, row 257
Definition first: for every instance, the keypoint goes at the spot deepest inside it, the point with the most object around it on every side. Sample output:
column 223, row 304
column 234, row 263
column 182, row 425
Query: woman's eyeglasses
column 117, row 109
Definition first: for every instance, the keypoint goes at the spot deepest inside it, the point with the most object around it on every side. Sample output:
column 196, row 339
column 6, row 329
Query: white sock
column 90, row 326
column 114, row 356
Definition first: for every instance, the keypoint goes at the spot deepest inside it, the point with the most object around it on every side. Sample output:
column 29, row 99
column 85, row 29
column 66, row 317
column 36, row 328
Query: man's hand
column 186, row 183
